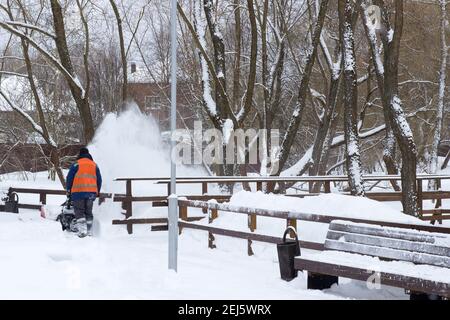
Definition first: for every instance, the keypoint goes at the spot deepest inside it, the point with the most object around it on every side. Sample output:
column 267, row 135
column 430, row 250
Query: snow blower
column 67, row 217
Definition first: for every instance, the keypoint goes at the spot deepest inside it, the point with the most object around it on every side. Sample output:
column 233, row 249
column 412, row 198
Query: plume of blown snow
column 129, row 144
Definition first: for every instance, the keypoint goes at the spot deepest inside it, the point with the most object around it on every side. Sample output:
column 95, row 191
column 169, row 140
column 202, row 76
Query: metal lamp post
column 173, row 199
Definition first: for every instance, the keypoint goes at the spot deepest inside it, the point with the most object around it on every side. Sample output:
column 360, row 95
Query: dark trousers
column 83, row 209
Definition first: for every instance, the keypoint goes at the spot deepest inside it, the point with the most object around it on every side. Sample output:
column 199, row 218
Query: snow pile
column 324, row 204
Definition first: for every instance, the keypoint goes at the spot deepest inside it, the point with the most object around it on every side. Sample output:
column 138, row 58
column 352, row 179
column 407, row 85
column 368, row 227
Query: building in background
column 153, row 98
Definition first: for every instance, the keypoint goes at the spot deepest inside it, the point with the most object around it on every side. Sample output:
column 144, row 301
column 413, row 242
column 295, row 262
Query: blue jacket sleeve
column 99, row 180
column 70, row 176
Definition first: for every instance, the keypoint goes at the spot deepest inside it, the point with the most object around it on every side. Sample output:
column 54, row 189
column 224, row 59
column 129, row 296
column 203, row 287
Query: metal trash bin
column 12, row 202
column 287, row 251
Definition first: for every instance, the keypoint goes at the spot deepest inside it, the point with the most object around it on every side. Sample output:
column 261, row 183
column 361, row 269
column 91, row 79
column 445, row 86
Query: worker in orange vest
column 84, row 182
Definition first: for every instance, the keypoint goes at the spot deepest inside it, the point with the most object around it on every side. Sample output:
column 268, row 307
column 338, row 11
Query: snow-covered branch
column 15, row 74
column 27, row 117
column 32, row 27
column 47, row 55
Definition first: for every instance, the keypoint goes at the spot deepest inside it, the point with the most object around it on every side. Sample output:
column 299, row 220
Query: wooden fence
column 438, row 213
column 127, row 199
column 291, row 218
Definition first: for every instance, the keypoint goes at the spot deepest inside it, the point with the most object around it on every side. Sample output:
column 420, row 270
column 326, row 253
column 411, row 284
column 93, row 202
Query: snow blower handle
column 69, row 200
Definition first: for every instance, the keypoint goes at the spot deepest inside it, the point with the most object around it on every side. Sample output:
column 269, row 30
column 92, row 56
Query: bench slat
column 406, row 245
column 388, row 253
column 382, row 232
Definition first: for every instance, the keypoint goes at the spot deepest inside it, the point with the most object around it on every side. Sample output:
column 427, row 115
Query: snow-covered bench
column 414, row 260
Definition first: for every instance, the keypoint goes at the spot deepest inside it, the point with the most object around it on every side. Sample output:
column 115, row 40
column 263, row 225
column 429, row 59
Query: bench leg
column 423, row 296
column 318, row 281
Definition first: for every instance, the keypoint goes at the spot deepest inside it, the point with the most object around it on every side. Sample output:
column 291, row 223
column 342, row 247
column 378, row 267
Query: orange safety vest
column 86, row 177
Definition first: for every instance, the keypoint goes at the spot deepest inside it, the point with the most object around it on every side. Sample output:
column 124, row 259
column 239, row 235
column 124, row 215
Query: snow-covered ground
column 39, row 261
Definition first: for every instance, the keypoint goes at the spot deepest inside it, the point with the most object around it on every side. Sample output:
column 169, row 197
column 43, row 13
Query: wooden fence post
column 252, row 226
column 439, row 186
column 183, row 214
column 212, row 215
column 438, row 205
column 259, row 186
column 327, row 186
column 129, row 206
column 43, row 198
column 204, row 192
column 420, row 197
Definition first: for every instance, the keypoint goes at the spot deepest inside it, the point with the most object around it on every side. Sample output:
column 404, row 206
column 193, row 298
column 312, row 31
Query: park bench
column 416, row 261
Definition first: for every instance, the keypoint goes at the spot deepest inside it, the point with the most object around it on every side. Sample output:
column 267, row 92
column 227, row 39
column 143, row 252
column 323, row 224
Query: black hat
column 84, row 151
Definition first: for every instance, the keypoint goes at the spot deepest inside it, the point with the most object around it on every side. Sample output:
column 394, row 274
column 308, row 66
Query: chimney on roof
column 133, row 67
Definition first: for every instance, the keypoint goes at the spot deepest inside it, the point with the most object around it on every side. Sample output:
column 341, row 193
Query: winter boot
column 89, row 224
column 82, row 227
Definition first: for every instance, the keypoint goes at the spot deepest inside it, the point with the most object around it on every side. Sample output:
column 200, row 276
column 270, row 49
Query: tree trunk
column 54, row 153
column 446, row 161
column 122, row 51
column 324, row 126
column 353, row 159
column 237, row 58
column 80, row 96
column 389, row 147
column 389, row 150
column 219, row 57
column 440, row 106
column 248, row 101
column 399, row 124
column 303, row 89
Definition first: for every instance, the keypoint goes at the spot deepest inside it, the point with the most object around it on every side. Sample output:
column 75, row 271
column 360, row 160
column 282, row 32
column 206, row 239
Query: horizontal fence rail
column 436, row 214
column 43, row 193
column 338, row 178
column 291, row 218
column 291, row 215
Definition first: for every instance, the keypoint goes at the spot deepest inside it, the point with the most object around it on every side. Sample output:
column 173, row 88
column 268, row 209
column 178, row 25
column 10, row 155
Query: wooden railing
column 291, row 218
column 438, row 213
column 127, row 199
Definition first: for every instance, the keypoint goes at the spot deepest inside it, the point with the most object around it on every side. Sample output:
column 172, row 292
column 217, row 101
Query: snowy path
column 38, row 261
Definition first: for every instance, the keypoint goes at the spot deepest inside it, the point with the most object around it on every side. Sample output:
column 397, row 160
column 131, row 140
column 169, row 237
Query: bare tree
column 41, row 129
column 64, row 64
column 389, row 149
column 292, row 130
column 122, row 50
column 395, row 113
